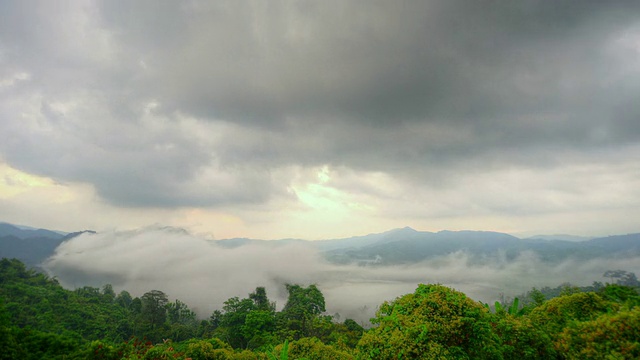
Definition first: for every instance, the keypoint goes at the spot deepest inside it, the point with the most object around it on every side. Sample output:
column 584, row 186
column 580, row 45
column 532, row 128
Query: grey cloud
column 520, row 76
column 144, row 162
column 383, row 63
column 417, row 89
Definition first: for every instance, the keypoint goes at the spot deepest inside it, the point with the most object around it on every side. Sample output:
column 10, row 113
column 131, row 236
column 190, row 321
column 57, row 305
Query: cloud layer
column 204, row 274
column 238, row 105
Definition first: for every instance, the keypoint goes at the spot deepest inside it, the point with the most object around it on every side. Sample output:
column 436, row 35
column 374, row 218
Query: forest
column 39, row 319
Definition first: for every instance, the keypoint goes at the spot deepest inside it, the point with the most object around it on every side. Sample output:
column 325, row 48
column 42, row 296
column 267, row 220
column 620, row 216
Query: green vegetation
column 41, row 320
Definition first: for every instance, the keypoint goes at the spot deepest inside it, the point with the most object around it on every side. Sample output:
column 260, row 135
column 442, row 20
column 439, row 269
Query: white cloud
column 204, row 274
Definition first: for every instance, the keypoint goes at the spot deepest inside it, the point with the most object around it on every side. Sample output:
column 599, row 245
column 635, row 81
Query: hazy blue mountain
column 29, row 245
column 562, row 237
column 237, row 242
column 406, row 245
column 398, row 246
column 24, row 232
column 483, row 246
column 366, row 240
column 327, row 245
column 629, row 243
column 420, row 246
column 32, row 251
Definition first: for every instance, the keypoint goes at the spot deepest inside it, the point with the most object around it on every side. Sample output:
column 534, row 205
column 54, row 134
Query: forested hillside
column 41, row 320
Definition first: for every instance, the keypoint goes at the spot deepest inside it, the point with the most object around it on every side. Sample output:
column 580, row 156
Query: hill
column 397, row 246
column 29, row 245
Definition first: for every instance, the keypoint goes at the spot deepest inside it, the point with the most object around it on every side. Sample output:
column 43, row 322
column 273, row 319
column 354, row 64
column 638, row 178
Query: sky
column 321, row 119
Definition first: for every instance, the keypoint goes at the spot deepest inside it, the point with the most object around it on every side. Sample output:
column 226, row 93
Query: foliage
column 557, row 313
column 522, row 339
column 284, row 352
column 621, row 294
column 303, row 306
column 623, row 277
column 314, row 349
column 154, row 308
column 434, row 321
column 246, row 323
column 614, row 336
column 41, row 320
column 514, row 309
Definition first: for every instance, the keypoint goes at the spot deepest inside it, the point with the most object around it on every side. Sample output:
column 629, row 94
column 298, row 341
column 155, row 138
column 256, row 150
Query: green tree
column 302, row 307
column 246, row 323
column 314, row 349
column 124, row 299
column 554, row 315
column 621, row 294
column 537, row 297
column 107, row 292
column 258, row 328
column 433, row 322
column 182, row 321
column 154, row 311
column 8, row 342
column 179, row 313
column 233, row 321
column 260, row 300
column 623, row 277
column 609, row 336
column 521, row 339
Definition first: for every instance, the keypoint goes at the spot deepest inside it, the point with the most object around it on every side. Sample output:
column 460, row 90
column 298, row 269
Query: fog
column 204, row 274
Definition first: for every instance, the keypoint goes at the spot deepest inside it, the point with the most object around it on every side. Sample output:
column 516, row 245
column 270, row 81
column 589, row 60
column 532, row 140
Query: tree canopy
column 41, row 320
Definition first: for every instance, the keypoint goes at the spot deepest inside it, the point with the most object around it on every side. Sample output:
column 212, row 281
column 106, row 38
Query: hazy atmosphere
column 319, row 119
column 205, row 274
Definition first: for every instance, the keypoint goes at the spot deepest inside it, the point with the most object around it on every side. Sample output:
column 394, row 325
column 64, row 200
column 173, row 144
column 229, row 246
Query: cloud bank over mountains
column 205, row 273
column 444, row 114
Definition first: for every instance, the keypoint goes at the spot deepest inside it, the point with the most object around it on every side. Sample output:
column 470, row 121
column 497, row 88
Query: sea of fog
column 203, row 274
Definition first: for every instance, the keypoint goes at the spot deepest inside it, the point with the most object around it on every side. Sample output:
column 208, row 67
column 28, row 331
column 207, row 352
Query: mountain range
column 398, row 246
column 406, row 246
column 30, row 245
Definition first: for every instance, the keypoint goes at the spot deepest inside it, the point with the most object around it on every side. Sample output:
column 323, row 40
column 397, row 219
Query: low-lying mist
column 203, row 274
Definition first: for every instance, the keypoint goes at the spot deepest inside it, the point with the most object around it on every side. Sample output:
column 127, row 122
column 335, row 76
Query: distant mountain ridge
column 563, row 237
column 484, row 246
column 30, row 245
column 24, row 232
column 397, row 246
column 406, row 246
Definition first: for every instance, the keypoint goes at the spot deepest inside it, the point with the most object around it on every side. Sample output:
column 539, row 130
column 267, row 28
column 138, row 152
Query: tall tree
column 124, row 299
column 107, row 293
column 154, row 308
column 179, row 313
column 302, row 307
column 246, row 323
column 260, row 300
column 623, row 277
column 233, row 321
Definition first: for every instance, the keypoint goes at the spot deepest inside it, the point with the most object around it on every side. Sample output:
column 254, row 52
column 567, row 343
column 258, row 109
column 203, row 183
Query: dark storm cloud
column 417, row 89
column 347, row 77
column 483, row 64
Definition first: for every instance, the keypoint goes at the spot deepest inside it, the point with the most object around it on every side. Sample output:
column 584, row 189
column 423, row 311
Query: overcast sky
column 319, row 119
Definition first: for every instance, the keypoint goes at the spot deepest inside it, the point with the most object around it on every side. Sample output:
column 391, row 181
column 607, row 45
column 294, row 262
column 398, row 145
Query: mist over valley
column 355, row 274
